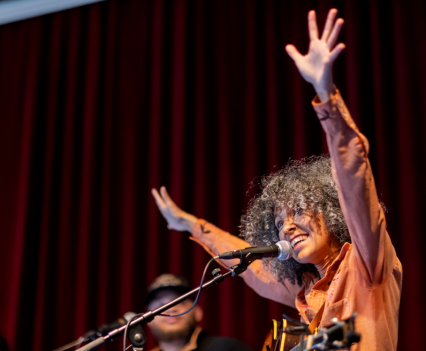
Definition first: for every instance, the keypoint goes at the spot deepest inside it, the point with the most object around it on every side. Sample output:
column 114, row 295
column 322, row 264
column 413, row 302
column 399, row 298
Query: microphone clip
column 245, row 261
column 137, row 337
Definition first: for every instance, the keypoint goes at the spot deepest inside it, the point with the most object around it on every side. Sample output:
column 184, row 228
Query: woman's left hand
column 316, row 66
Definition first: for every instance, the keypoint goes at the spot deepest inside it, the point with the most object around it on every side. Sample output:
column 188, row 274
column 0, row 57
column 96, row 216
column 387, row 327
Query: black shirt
column 216, row 343
column 206, row 342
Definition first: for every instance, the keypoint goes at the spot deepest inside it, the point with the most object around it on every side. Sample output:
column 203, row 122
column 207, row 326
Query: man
column 182, row 333
column 328, row 209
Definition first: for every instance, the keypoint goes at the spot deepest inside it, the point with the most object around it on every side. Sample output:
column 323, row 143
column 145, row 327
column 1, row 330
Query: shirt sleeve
column 374, row 255
column 257, row 276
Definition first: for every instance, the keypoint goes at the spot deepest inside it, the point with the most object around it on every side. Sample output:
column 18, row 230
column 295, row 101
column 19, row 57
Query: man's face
column 306, row 233
column 173, row 328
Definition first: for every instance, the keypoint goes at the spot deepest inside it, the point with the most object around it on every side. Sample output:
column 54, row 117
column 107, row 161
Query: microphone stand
column 136, row 334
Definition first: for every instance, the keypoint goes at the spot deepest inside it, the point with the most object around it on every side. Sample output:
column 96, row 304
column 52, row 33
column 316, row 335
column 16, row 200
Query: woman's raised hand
column 316, row 66
column 175, row 217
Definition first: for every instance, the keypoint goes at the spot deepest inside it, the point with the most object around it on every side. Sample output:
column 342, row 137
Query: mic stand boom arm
column 135, row 329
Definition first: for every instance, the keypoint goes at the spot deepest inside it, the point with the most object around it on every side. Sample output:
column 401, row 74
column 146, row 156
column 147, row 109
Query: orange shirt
column 366, row 277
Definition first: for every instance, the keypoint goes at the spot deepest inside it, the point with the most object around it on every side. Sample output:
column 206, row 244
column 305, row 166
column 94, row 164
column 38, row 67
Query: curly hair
column 306, row 184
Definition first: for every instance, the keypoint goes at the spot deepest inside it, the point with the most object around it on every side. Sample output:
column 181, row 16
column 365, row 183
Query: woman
column 328, row 210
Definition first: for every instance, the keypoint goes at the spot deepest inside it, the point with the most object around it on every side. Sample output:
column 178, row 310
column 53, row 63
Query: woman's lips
column 298, row 239
column 299, row 244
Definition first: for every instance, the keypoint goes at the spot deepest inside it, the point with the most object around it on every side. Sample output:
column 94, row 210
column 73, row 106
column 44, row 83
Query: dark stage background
column 101, row 103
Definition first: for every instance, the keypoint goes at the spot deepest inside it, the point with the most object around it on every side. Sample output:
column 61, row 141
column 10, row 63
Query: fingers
column 312, row 25
column 328, row 24
column 292, row 52
column 332, row 39
column 167, row 199
column 336, row 51
column 159, row 201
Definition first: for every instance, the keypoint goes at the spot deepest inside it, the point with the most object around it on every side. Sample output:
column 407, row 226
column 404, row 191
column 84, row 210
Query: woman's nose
column 290, row 228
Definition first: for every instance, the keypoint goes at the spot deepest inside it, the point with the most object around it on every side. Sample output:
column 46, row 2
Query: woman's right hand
column 175, row 217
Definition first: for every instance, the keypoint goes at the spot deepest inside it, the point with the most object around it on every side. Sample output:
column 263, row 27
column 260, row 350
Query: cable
column 198, row 295
column 125, row 331
column 168, row 315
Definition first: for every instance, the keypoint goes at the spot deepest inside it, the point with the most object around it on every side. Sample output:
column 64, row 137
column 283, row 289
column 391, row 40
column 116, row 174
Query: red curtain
column 103, row 102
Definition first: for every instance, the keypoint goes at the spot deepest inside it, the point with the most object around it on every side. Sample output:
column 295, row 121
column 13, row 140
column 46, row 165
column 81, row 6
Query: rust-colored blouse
column 366, row 277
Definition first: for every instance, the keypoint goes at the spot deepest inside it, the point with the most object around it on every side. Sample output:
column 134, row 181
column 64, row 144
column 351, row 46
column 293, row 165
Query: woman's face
column 305, row 232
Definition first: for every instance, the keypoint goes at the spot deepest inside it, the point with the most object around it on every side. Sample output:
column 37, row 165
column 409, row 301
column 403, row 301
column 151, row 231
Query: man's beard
column 183, row 334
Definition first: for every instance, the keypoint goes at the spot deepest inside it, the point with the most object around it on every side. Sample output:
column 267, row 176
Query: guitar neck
column 340, row 336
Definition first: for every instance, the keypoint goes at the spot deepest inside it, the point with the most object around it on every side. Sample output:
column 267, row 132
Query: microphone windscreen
column 286, row 250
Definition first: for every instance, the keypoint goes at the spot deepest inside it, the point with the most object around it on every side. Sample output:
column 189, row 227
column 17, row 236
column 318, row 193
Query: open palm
column 175, row 217
column 316, row 66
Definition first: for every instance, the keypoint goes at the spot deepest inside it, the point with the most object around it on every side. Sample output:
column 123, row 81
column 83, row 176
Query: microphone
column 106, row 328
column 281, row 250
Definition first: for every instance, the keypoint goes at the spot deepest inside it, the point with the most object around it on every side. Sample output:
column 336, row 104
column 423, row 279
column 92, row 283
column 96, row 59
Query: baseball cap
column 167, row 282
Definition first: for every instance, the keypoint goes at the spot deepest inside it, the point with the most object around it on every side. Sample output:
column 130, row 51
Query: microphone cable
column 198, row 295
column 169, row 315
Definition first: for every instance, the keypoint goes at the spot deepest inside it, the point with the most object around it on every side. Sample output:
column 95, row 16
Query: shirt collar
column 192, row 344
column 332, row 269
